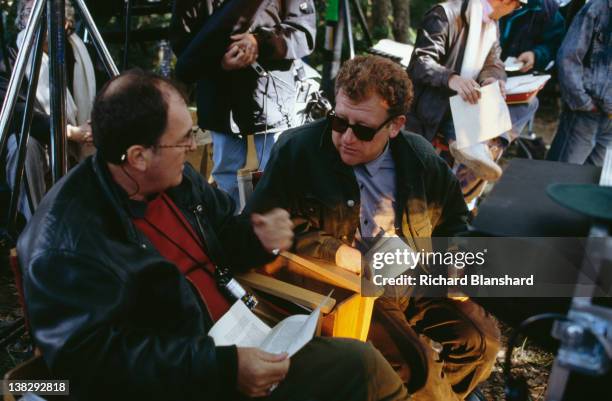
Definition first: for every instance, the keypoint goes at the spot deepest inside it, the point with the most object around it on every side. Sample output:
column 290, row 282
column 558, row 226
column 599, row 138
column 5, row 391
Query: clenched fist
column 274, row 229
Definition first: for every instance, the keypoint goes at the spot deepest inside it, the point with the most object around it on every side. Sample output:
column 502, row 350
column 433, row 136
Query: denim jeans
column 229, row 156
column 582, row 138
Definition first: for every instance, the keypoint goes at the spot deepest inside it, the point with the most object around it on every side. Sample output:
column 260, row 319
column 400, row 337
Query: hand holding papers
column 240, row 327
column 475, row 123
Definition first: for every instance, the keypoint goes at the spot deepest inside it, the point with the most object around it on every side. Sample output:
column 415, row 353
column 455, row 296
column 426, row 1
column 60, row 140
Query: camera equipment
column 338, row 17
column 31, row 52
column 585, row 334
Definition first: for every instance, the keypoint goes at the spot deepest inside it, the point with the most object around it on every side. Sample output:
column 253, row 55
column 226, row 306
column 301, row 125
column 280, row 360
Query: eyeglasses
column 362, row 132
column 187, row 142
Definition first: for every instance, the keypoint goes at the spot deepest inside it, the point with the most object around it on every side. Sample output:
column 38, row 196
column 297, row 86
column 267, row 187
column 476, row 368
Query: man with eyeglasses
column 121, row 280
column 357, row 175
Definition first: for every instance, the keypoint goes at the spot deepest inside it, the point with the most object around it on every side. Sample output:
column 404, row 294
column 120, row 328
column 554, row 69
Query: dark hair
column 364, row 75
column 130, row 109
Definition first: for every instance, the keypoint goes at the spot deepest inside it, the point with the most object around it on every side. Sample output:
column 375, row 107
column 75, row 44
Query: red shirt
column 174, row 238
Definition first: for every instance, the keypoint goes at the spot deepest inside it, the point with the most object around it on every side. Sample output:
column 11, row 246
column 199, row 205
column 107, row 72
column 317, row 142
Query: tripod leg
column 101, row 48
column 12, row 91
column 128, row 28
column 57, row 87
column 333, row 56
column 363, row 23
column 346, row 9
column 25, row 130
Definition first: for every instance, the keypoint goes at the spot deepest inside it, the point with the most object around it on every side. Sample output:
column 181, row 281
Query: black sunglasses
column 362, row 132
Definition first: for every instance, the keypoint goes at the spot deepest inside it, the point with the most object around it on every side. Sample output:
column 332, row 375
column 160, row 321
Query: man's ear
column 396, row 125
column 137, row 156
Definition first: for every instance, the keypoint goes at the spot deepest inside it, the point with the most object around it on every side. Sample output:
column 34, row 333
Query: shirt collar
column 374, row 166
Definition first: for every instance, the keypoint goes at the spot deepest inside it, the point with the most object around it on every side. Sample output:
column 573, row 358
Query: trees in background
column 393, row 19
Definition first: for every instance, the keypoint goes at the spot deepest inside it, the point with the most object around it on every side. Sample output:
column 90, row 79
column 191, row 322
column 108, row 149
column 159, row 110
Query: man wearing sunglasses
column 356, row 175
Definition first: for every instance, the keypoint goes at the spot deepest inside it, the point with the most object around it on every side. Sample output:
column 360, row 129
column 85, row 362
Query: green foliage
column 418, row 8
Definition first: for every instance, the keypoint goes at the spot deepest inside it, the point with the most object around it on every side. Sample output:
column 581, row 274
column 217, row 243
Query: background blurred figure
column 80, row 77
column 585, row 72
column 532, row 34
column 235, row 99
column 456, row 52
column 79, row 100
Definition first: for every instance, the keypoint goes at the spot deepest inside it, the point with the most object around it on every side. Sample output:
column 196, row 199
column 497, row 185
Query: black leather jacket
column 107, row 310
column 438, row 54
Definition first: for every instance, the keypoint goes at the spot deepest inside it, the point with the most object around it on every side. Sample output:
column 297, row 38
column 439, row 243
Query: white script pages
column 240, row 327
column 482, row 121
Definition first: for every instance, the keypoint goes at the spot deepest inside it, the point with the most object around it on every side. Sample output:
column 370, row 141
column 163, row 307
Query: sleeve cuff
column 446, row 78
column 227, row 365
column 265, row 42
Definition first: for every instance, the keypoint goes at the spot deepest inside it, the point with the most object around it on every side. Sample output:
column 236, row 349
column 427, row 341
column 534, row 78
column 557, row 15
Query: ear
column 396, row 125
column 137, row 156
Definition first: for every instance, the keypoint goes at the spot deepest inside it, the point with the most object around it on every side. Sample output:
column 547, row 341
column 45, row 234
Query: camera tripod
column 338, row 19
column 30, row 56
column 586, row 344
column 585, row 337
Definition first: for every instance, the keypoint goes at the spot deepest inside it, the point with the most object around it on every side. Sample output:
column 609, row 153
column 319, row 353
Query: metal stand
column 339, row 18
column 586, row 343
column 586, row 346
column 31, row 51
column 128, row 30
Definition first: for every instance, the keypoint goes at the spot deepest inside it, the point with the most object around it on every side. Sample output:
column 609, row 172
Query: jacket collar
column 116, row 197
column 119, row 201
column 330, row 151
column 409, row 166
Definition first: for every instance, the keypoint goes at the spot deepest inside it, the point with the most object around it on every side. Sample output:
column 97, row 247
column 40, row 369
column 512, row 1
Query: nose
column 349, row 137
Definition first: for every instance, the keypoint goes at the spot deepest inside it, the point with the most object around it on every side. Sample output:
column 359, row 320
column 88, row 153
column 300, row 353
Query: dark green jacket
column 306, row 176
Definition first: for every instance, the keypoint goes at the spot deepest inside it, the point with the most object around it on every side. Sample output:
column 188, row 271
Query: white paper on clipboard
column 482, row 121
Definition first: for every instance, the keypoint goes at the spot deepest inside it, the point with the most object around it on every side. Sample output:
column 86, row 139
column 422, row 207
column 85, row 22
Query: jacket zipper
column 197, row 212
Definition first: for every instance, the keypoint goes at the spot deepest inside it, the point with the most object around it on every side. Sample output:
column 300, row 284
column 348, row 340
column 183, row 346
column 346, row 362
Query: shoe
column 479, row 159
